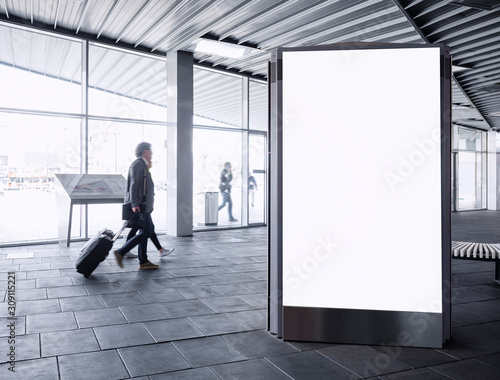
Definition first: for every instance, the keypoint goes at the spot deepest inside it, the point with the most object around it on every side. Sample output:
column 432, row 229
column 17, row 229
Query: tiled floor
column 202, row 315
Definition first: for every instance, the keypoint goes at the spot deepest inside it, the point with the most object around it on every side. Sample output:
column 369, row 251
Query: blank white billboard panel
column 362, row 179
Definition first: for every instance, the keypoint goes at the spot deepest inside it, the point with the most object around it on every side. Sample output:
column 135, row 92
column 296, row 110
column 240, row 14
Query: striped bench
column 477, row 251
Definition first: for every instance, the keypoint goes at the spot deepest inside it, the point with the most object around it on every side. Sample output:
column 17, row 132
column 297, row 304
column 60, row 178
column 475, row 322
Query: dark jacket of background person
column 225, row 181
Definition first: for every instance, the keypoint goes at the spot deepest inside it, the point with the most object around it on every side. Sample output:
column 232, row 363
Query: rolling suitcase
column 96, row 250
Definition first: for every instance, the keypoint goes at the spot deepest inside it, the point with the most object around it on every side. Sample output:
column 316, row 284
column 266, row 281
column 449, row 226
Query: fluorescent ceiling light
column 494, row 114
column 223, row 49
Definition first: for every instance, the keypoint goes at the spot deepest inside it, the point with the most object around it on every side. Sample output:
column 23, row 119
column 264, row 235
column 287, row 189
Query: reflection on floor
column 202, row 315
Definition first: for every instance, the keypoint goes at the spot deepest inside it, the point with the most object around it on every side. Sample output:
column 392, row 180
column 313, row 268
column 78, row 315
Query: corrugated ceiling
column 470, row 28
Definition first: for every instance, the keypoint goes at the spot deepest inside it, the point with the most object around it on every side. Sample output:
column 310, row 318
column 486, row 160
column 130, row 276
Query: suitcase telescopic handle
column 117, row 235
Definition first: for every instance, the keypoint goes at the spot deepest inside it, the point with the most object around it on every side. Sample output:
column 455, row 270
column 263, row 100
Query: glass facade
column 469, row 169
column 33, row 149
column 49, row 126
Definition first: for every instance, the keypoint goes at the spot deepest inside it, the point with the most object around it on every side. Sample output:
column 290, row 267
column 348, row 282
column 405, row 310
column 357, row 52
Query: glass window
column 258, row 105
column 51, row 82
column 469, row 139
column 469, row 180
column 212, row 149
column 126, row 85
column 111, row 151
column 257, row 177
column 32, row 150
column 218, row 99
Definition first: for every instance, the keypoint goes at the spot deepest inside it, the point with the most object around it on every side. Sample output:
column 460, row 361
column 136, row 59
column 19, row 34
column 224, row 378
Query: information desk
column 84, row 189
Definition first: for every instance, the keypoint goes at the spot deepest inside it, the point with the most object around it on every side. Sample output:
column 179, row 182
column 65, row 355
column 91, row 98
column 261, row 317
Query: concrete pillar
column 179, row 143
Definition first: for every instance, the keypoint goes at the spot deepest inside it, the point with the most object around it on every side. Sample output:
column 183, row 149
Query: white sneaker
column 130, row 255
column 166, row 251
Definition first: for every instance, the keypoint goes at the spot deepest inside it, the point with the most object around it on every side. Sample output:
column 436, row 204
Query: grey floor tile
column 492, row 360
column 256, row 319
column 39, row 369
column 207, row 280
column 173, row 283
column 415, row 357
column 142, row 313
column 122, row 299
column 19, row 325
column 417, row 374
column 123, row 335
column 257, row 286
column 34, row 266
column 161, row 295
column 218, row 324
column 44, row 273
column 140, row 285
column 207, row 351
column 21, row 284
column 81, row 303
column 310, row 365
column 257, row 300
column 26, row 347
column 172, row 329
column 68, row 342
column 101, row 365
column 37, row 307
column 363, row 360
column 203, row 373
column 122, row 276
column 197, row 292
column 152, row 359
column 53, row 282
column 249, row 370
column 31, row 294
column 188, row 308
column 232, row 289
column 66, row 291
column 62, row 265
column 238, row 277
column 188, row 272
column 468, row 370
column 226, row 304
column 113, row 287
column 155, row 274
column 50, row 322
column 258, row 344
column 92, row 280
column 99, row 317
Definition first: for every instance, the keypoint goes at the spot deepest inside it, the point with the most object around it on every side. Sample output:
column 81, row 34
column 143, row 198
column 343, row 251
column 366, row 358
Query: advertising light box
column 361, row 196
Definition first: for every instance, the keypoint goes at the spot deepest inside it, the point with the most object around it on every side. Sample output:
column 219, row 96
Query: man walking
column 226, row 176
column 140, row 194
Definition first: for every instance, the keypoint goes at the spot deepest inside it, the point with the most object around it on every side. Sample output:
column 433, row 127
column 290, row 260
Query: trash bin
column 211, row 208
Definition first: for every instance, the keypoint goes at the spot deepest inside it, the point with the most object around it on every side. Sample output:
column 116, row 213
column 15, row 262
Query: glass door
column 257, row 176
column 469, row 181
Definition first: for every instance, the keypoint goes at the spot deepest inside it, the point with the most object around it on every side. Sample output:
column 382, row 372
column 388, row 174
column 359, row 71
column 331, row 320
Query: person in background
column 252, row 187
column 226, row 176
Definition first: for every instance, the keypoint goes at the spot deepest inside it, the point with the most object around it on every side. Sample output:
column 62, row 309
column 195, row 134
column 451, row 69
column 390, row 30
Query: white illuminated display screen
column 362, row 179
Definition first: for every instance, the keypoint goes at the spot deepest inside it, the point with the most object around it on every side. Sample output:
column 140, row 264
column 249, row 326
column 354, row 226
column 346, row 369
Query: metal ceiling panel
column 470, row 28
column 472, row 31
